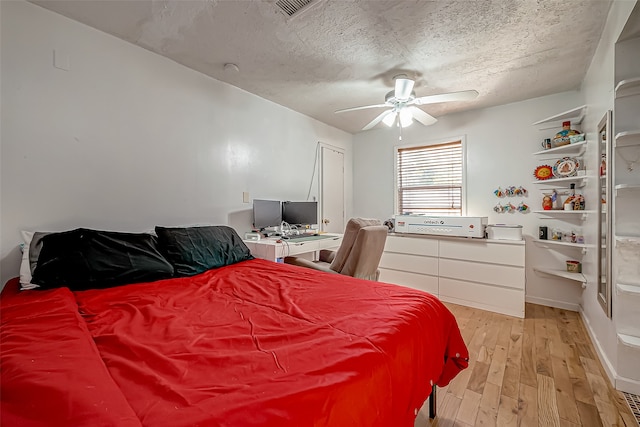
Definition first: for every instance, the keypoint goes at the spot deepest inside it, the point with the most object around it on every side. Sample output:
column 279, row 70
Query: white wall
column 500, row 141
column 127, row 139
column 499, row 146
column 598, row 88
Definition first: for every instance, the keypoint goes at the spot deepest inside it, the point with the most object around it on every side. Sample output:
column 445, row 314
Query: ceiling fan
column 401, row 104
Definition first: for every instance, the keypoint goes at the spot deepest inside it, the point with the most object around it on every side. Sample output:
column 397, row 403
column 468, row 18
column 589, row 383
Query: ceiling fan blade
column 364, row 107
column 403, row 89
column 378, row 119
column 465, row 95
column 422, row 117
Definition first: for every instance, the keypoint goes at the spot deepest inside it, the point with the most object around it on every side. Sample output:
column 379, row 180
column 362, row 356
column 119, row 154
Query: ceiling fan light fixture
column 390, row 119
column 406, row 117
column 401, row 102
column 403, row 88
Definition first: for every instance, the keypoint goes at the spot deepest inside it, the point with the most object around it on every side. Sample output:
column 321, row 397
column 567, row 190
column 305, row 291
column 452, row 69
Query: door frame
column 323, row 145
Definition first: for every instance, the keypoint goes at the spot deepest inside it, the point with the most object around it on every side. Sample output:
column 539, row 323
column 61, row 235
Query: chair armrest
column 303, row 262
column 327, row 255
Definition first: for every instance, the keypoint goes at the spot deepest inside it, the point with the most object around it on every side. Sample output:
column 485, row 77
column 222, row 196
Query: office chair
column 358, row 255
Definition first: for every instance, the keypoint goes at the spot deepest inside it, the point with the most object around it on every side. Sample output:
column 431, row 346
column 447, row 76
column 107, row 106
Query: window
column 429, row 179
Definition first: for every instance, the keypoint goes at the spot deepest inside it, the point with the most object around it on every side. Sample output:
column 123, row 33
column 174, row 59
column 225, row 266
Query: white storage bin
column 504, row 231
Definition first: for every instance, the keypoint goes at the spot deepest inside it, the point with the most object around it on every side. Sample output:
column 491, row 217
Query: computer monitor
column 300, row 213
column 266, row 213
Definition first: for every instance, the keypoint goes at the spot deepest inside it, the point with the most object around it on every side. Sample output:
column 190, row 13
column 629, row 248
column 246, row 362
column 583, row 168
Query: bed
column 235, row 342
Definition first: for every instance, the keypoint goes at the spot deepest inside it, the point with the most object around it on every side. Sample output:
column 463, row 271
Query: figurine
column 547, row 203
column 554, row 199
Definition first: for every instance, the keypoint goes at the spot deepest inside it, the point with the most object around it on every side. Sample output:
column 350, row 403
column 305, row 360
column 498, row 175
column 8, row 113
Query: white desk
column 272, row 248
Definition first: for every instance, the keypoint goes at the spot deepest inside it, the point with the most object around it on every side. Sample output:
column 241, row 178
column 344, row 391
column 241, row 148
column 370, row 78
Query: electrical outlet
column 245, row 197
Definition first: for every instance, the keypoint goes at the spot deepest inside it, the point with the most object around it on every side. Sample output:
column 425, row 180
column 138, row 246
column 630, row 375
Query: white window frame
column 463, row 142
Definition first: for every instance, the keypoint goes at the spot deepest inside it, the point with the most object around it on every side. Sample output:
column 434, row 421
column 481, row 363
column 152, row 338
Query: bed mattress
column 255, row 343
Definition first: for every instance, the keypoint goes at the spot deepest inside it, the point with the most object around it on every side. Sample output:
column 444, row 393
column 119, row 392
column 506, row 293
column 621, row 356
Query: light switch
column 245, row 197
column 61, row 60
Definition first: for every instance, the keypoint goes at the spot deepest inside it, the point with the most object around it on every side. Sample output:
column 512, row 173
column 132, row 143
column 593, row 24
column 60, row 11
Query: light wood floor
column 538, row 371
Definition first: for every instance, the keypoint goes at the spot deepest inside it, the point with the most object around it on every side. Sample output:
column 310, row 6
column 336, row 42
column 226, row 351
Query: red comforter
column 251, row 344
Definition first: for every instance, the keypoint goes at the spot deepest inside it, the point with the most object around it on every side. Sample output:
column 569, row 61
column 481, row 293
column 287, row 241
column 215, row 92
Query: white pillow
column 25, row 265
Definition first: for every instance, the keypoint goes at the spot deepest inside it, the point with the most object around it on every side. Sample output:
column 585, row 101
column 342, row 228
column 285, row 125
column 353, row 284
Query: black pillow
column 87, row 259
column 34, row 249
column 192, row 250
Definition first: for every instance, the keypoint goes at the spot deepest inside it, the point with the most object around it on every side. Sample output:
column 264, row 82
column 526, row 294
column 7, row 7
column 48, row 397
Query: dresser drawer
column 411, row 280
column 412, row 245
column 500, row 275
column 408, row 262
column 495, row 253
column 485, row 297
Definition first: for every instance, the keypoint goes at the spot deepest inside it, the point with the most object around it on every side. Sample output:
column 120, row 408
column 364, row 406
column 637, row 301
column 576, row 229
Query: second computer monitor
column 300, row 213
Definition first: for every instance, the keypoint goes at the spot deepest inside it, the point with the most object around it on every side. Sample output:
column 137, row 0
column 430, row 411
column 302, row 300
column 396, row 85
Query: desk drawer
column 330, row 243
column 291, row 247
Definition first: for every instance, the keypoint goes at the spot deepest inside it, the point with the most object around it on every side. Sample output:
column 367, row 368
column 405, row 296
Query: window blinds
column 430, row 179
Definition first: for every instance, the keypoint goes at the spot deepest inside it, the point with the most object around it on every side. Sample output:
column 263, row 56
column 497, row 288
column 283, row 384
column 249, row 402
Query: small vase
column 564, row 136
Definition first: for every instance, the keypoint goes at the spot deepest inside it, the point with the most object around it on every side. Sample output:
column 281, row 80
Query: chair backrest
column 361, row 249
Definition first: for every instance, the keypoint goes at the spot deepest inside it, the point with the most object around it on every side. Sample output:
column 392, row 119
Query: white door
column 331, row 190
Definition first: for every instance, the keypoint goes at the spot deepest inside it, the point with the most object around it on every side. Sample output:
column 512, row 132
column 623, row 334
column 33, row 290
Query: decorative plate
column 565, row 167
column 543, row 172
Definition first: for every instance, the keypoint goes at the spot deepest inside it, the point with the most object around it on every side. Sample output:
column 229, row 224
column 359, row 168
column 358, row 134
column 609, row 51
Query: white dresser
column 479, row 273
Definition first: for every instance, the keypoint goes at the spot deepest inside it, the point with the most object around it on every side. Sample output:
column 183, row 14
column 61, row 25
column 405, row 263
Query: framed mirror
column 605, row 227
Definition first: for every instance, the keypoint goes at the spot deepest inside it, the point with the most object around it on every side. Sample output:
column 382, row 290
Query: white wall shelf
column 629, row 341
column 574, row 115
column 561, row 243
column 627, row 139
column 579, row 181
column 558, row 213
column 577, row 149
column 546, row 243
column 623, row 203
column 621, row 189
column 577, row 277
column 627, row 240
column 628, row 289
column 628, row 87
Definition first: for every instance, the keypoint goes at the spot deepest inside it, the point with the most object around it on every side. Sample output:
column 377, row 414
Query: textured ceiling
column 343, row 53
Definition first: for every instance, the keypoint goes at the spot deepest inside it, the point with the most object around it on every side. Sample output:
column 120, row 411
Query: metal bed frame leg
column 432, row 403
